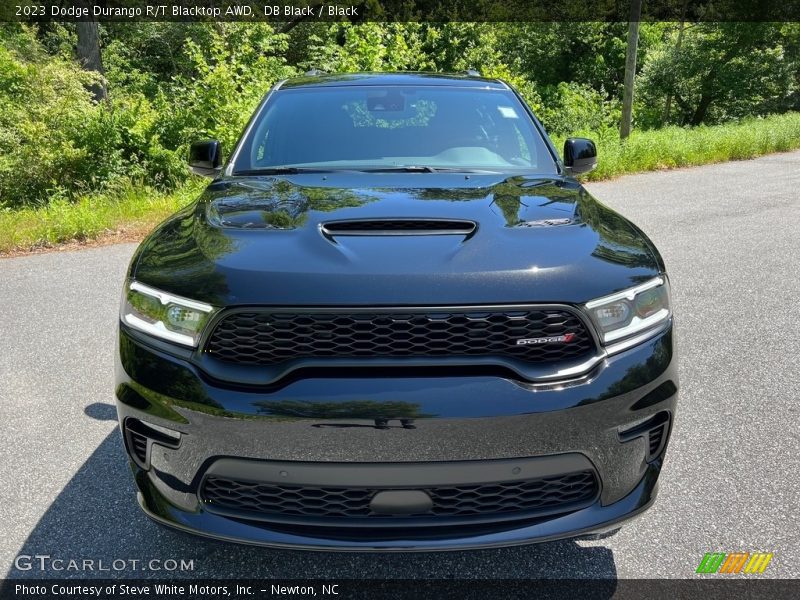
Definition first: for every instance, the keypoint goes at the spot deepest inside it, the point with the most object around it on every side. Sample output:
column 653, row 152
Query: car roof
column 408, row 78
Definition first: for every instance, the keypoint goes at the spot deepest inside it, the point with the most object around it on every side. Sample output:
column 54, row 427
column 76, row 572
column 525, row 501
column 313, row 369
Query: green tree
column 228, row 76
column 723, row 71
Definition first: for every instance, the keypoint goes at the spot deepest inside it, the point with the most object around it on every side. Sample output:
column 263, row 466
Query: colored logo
column 734, row 562
column 555, row 339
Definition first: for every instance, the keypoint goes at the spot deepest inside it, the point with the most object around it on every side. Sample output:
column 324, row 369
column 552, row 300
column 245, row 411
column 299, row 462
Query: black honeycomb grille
column 547, row 494
column 266, row 337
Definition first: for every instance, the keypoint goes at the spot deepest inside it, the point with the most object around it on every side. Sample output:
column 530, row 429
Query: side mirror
column 205, row 158
column 580, row 156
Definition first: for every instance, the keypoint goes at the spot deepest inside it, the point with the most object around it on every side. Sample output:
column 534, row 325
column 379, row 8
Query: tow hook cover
column 401, row 502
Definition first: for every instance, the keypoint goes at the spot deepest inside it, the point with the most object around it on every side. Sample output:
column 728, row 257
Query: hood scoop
column 376, row 227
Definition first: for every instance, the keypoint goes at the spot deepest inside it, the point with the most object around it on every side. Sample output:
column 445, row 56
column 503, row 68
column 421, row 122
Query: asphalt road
column 730, row 235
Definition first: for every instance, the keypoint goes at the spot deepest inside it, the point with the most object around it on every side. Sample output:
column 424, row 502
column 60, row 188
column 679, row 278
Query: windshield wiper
column 288, row 170
column 421, row 169
column 282, row 171
column 399, row 169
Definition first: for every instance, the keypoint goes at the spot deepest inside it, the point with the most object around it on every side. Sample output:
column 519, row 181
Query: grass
column 129, row 211
column 126, row 213
column 674, row 147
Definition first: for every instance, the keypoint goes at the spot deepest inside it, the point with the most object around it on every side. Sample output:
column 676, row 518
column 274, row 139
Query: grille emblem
column 555, row 339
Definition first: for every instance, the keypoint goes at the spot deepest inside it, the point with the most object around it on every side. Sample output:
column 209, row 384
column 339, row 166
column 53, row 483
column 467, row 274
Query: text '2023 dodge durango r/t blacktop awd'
column 395, row 321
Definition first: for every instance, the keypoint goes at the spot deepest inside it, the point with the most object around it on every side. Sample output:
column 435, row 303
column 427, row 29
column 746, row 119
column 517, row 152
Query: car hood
column 262, row 240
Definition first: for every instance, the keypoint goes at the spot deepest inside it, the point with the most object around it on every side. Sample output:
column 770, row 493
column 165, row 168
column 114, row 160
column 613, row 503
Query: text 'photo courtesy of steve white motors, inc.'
column 143, row 589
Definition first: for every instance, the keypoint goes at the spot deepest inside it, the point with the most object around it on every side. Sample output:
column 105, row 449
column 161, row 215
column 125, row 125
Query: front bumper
column 394, row 422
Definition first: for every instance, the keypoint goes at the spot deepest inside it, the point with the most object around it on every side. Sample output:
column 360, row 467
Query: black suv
column 395, row 320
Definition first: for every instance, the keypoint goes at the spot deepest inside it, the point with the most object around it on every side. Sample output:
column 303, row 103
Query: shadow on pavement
column 96, row 517
column 100, row 411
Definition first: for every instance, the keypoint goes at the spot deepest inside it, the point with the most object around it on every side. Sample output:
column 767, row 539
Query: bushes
column 56, row 142
column 570, row 107
column 46, row 115
column 229, row 76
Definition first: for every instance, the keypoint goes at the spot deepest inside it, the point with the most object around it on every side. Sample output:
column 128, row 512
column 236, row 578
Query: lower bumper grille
column 140, row 436
column 654, row 430
column 138, row 446
column 527, row 498
column 656, row 439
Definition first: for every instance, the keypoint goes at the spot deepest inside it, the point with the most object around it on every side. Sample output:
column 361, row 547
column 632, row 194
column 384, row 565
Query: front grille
column 558, row 493
column 272, row 337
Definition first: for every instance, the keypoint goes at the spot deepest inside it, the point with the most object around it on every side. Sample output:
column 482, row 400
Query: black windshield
column 373, row 127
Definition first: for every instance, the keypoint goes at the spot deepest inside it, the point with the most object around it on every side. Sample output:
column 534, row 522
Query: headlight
column 163, row 315
column 631, row 311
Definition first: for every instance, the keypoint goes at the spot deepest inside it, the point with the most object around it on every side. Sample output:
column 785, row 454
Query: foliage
column 570, row 107
column 672, row 147
column 45, row 125
column 585, row 53
column 346, row 48
column 56, row 142
column 172, row 83
column 230, row 74
column 125, row 207
column 722, row 71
